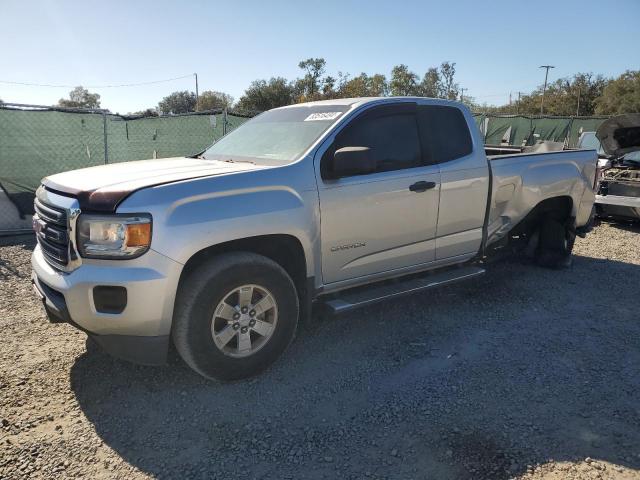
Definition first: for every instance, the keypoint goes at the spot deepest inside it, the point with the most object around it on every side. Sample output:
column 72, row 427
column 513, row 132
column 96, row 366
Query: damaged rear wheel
column 556, row 240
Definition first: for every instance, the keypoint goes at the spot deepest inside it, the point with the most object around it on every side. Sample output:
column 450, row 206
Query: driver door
column 385, row 220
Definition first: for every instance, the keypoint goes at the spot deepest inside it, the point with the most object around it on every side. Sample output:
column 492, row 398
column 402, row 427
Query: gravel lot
column 526, row 372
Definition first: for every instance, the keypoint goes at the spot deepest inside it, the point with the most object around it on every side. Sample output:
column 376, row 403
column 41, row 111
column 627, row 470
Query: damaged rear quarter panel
column 521, row 182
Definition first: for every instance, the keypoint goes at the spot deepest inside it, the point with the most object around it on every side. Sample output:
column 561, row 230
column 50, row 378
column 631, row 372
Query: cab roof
column 357, row 101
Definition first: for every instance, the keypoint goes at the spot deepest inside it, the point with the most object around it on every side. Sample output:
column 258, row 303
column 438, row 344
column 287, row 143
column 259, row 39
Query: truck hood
column 620, row 134
column 102, row 188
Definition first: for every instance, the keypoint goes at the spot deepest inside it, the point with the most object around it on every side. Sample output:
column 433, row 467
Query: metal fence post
column 104, row 129
column 224, row 122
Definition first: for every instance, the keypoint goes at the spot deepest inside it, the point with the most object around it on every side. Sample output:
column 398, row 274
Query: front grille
column 50, row 225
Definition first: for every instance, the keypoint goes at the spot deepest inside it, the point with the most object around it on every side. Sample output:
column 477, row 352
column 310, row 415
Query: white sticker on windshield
column 322, row 116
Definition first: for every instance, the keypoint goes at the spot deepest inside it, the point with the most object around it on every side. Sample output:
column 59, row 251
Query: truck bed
column 541, row 147
column 521, row 181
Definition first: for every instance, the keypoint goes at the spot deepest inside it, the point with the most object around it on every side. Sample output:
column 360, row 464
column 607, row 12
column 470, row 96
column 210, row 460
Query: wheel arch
column 560, row 207
column 284, row 249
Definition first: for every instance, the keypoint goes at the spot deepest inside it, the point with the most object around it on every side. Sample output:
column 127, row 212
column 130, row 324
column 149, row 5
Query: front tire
column 235, row 315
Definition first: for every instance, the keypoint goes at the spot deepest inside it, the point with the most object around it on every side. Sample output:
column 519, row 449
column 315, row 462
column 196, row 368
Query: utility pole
column 462, row 94
column 578, row 107
column 518, row 103
column 197, row 94
column 544, row 89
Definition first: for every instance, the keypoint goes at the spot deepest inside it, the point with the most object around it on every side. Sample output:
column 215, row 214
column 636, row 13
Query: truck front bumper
column 140, row 332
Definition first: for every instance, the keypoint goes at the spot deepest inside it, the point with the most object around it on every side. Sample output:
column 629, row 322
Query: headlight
column 114, row 236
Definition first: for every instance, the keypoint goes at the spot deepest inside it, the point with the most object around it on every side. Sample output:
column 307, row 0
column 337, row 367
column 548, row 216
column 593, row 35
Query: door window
column 391, row 134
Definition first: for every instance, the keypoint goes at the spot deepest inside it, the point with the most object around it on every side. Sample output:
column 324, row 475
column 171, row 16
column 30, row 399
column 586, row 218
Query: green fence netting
column 37, row 143
column 510, row 130
column 553, row 129
column 520, row 130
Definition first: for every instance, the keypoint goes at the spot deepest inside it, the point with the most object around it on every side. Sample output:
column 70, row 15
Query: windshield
column 276, row 137
column 632, row 157
column 589, row 141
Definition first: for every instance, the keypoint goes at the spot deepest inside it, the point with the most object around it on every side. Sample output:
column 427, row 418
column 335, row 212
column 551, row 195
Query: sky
column 497, row 45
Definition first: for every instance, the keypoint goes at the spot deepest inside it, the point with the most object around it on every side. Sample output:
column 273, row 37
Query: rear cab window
column 444, row 133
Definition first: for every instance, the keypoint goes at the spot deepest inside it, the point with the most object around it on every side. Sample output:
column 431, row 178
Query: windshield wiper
column 231, row 160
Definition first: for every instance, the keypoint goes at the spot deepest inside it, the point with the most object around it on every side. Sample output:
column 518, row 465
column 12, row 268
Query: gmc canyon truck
column 342, row 202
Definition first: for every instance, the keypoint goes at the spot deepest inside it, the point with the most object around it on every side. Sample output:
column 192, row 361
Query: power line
column 29, row 84
column 505, row 94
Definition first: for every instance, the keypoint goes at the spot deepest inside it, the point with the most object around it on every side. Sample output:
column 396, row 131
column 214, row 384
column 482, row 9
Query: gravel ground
column 526, row 373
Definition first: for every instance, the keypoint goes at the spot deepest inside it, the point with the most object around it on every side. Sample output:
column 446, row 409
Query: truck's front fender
column 191, row 216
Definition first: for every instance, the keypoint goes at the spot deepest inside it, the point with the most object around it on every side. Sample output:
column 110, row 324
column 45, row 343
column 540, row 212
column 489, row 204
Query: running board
column 364, row 296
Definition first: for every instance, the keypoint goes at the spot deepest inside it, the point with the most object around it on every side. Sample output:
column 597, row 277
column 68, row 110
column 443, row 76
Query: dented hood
column 103, row 187
column 620, row 134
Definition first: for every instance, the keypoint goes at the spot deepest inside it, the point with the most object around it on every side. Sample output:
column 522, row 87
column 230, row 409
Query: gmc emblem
column 38, row 225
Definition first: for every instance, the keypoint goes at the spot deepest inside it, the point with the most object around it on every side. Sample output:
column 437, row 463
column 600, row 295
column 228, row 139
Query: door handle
column 422, row 186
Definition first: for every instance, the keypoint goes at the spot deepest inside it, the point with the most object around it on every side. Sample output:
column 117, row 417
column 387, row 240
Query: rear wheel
column 235, row 315
column 556, row 240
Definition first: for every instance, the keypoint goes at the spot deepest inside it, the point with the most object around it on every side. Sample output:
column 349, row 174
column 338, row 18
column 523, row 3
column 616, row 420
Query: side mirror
column 349, row 161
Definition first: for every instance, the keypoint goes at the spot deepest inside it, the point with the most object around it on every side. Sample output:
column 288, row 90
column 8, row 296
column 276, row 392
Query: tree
column 448, row 87
column 470, row 102
column 621, row 95
column 328, row 87
column 440, row 82
column 212, row 100
column 561, row 97
column 262, row 95
column 589, row 87
column 80, row 98
column 309, row 86
column 378, row 86
column 403, row 81
column 148, row 112
column 178, row 102
column 430, row 85
column 362, row 86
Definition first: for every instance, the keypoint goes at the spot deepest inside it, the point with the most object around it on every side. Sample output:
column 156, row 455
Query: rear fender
column 520, row 185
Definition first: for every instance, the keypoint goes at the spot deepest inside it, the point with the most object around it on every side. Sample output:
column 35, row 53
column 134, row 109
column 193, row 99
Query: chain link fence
column 37, row 141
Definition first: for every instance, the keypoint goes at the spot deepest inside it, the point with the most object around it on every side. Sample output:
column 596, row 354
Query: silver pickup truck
column 341, row 203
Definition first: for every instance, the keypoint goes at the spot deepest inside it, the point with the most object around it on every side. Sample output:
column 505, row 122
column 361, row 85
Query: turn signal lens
column 138, row 235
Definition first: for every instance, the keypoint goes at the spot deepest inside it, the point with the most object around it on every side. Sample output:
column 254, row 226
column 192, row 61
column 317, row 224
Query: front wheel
column 235, row 315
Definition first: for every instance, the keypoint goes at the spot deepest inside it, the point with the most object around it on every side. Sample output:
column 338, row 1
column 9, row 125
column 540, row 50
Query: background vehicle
column 619, row 187
column 323, row 202
column 589, row 141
